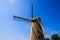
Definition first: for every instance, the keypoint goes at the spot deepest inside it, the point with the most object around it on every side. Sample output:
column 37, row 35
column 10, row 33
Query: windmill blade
column 32, row 10
column 20, row 18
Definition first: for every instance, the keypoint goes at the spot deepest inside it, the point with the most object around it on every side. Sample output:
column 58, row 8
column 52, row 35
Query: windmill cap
column 36, row 18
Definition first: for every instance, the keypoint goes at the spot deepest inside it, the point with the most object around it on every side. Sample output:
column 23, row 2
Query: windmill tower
column 37, row 30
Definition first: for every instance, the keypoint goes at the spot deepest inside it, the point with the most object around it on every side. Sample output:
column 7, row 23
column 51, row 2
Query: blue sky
column 47, row 10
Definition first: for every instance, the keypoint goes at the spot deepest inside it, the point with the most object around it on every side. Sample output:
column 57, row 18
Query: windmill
column 37, row 29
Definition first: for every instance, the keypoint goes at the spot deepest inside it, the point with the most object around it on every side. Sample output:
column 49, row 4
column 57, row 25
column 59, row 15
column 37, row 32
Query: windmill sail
column 37, row 30
column 21, row 19
column 32, row 10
